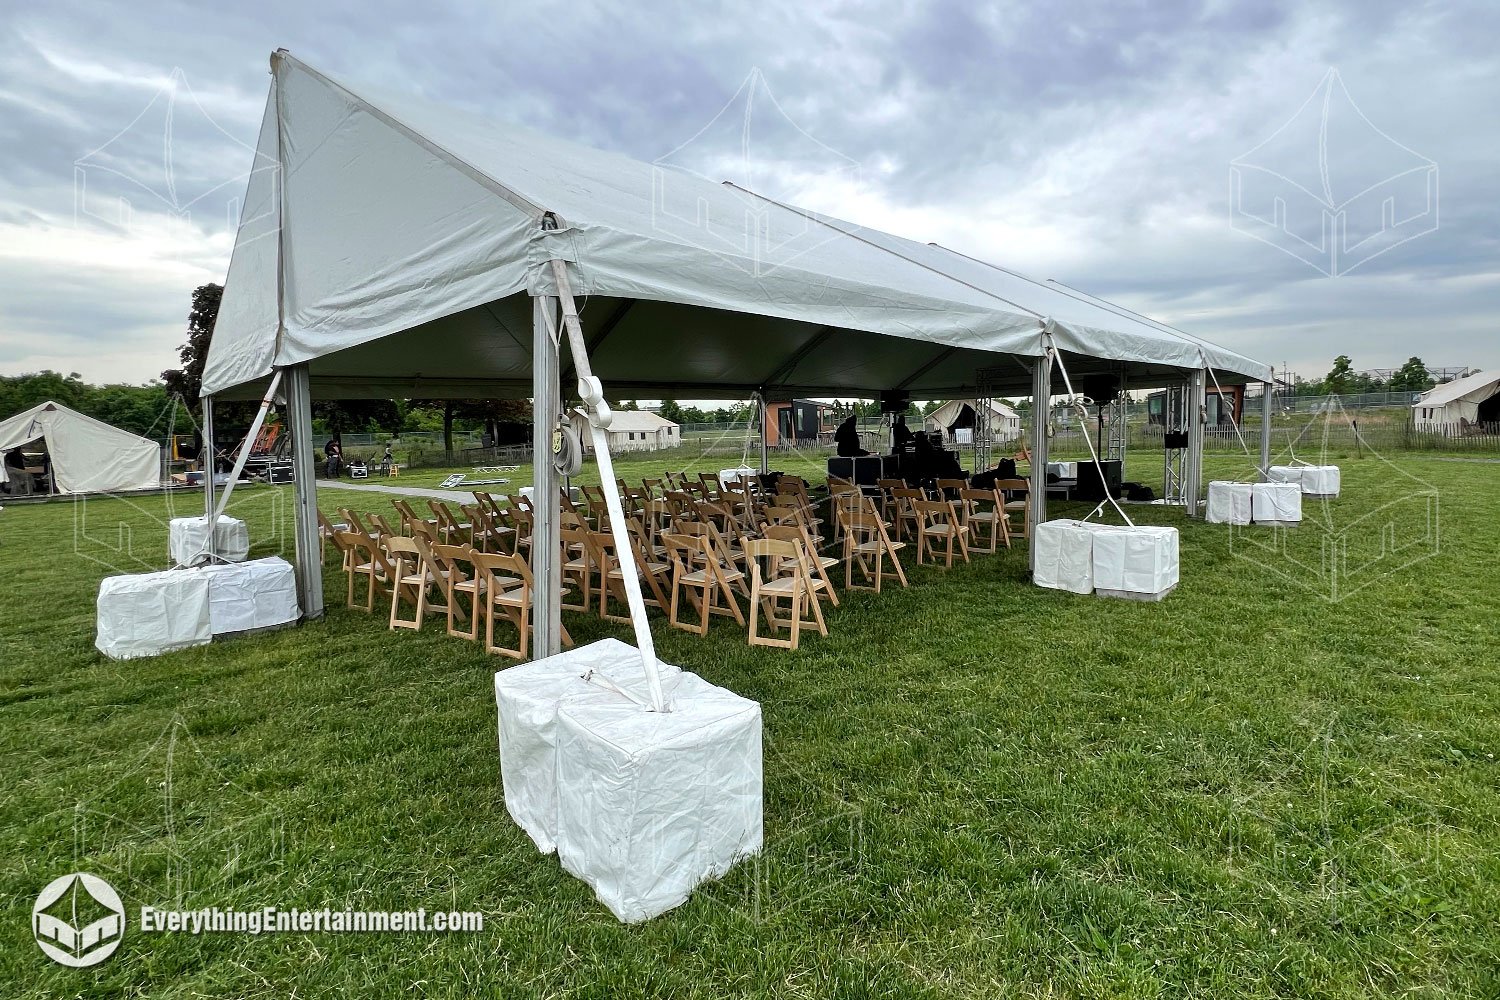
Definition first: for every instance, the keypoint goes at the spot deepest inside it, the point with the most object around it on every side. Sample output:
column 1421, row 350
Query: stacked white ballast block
column 1228, row 503
column 1321, row 482
column 1277, row 504
column 144, row 614
column 642, row 806
column 1139, row 562
column 187, row 540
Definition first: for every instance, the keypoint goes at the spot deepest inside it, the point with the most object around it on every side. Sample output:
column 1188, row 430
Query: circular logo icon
column 78, row 920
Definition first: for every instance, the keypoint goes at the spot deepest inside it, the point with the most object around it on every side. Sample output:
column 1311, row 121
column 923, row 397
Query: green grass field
column 974, row 787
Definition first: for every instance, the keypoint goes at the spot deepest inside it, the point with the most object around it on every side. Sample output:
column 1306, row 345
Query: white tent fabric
column 88, row 455
column 407, row 237
column 1456, row 401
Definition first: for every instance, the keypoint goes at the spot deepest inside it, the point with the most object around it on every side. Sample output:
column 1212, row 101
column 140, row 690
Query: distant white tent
column 88, row 455
column 957, row 414
column 635, row 430
column 1474, row 399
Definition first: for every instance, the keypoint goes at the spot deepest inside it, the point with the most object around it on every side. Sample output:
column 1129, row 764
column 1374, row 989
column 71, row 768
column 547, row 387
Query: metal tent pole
column 765, row 460
column 1192, row 487
column 1267, row 408
column 206, row 459
column 309, row 556
column 1041, row 404
column 546, row 567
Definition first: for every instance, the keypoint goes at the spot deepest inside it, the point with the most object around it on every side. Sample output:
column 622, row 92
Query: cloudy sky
column 1091, row 143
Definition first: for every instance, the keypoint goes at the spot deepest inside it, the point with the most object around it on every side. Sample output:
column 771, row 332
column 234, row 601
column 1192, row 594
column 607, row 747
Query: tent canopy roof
column 1480, row 386
column 393, row 245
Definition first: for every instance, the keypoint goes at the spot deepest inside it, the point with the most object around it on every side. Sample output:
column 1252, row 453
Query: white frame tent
column 88, row 455
column 394, row 248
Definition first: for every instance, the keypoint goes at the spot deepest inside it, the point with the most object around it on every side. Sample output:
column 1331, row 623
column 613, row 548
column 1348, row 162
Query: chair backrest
column 1013, row 485
column 479, row 518
column 906, row 498
column 686, row 553
column 365, row 549
column 891, row 484
column 445, row 518
column 489, row 565
column 324, row 523
column 653, row 488
column 939, row 512
column 381, row 525
column 454, row 558
column 783, row 557
column 950, row 487
column 423, row 530
column 352, row 520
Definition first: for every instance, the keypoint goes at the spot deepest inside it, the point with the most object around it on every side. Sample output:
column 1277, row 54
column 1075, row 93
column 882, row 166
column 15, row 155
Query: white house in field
column 1474, row 399
column 959, row 414
column 634, row 430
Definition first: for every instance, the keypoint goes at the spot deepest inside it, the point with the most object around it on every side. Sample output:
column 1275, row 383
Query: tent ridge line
column 911, row 260
column 474, row 173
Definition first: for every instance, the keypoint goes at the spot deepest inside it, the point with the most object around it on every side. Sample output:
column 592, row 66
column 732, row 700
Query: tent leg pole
column 1041, row 404
column 546, row 567
column 206, row 460
column 1192, row 487
column 765, row 460
column 309, row 562
column 1267, row 408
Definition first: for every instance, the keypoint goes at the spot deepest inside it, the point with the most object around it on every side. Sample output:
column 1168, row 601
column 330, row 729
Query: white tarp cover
column 744, row 472
column 251, row 595
column 1063, row 470
column 1064, row 555
column 1137, row 562
column 1316, row 480
column 413, row 234
column 650, row 804
column 88, row 455
column 143, row 614
column 187, row 539
column 526, row 700
column 1277, row 503
column 1228, row 503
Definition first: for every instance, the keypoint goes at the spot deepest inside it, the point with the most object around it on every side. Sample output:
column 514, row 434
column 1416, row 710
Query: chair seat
column 876, row 546
column 983, row 516
column 789, row 585
column 653, row 568
column 701, row 577
column 829, row 561
column 368, row 569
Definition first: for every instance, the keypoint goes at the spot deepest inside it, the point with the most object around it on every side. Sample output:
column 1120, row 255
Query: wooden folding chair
column 409, row 517
column 578, row 564
column 866, row 543
column 1016, row 493
column 363, row 558
column 888, row 504
column 413, row 574
column 326, row 530
column 448, row 526
column 451, row 560
column 988, row 522
column 948, row 489
column 940, row 523
column 817, row 563
column 786, row 577
column 906, row 514
column 381, row 525
column 508, row 589
column 695, row 567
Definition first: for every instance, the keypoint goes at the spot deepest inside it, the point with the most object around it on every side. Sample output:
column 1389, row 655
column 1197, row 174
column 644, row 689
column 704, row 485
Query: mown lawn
column 973, row 787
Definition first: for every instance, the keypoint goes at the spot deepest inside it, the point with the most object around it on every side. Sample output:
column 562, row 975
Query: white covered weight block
column 187, row 540
column 650, row 804
column 1228, row 503
column 1063, row 470
column 1064, row 555
column 743, row 473
column 246, row 596
column 1321, row 481
column 143, row 614
column 1277, row 504
column 1139, row 563
column 526, row 700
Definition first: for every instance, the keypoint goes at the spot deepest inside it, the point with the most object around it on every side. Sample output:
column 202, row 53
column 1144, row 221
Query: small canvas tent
column 1474, row 399
column 957, row 414
column 88, row 455
column 635, row 430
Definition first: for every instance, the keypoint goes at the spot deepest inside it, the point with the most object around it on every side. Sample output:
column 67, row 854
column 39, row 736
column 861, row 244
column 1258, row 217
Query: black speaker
column 895, row 401
column 1089, row 485
column 1102, row 389
column 1174, row 439
column 865, row 470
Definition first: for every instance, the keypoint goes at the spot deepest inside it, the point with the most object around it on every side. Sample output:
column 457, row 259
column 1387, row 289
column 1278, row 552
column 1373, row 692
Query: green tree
column 669, row 410
column 1411, row 377
column 187, row 381
column 1340, row 377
